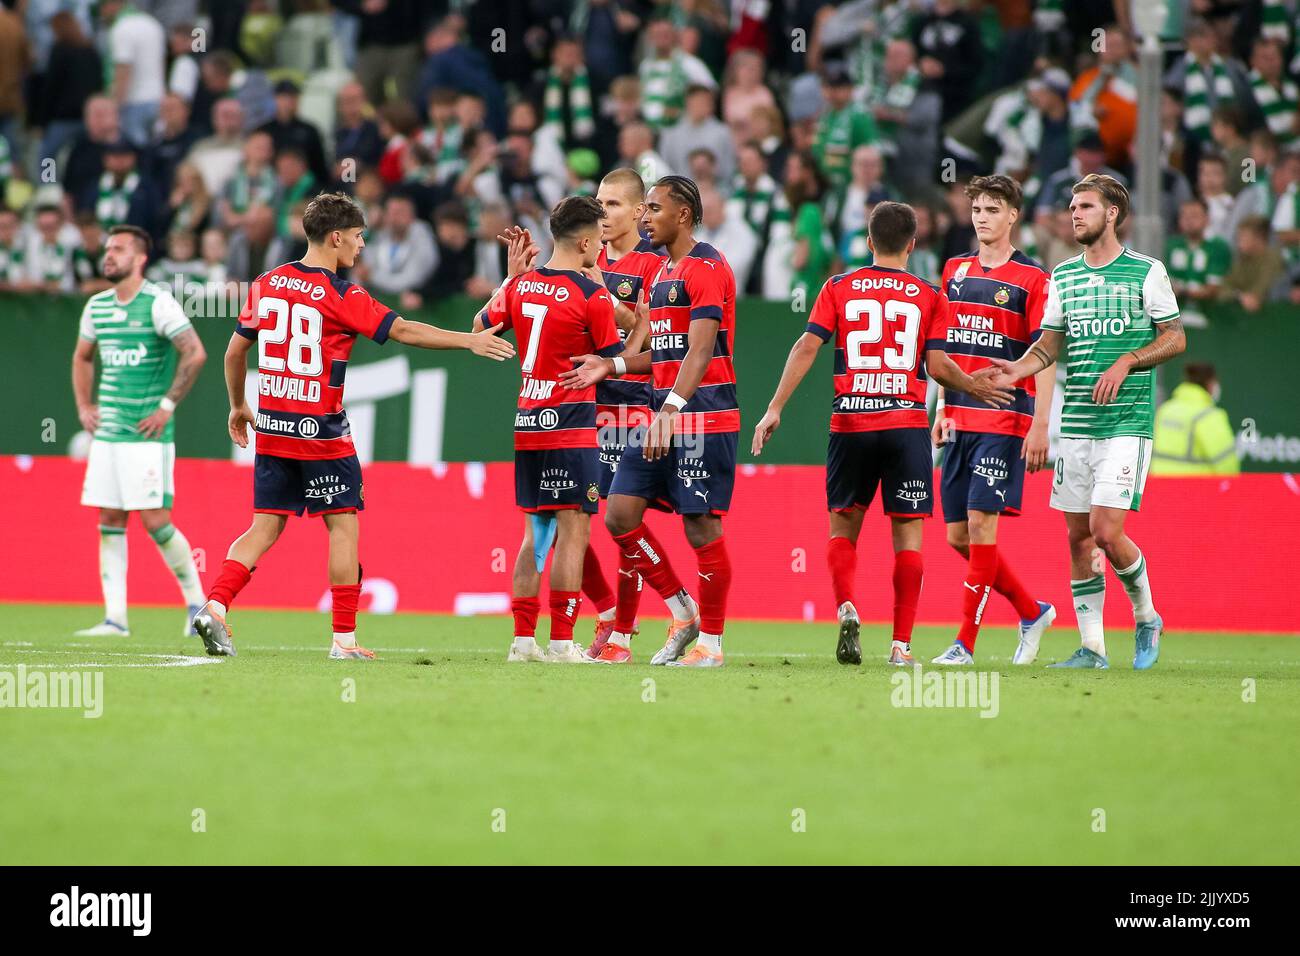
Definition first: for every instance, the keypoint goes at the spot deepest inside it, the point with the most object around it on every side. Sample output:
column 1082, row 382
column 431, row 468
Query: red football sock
column 629, row 593
column 907, row 593
column 1009, row 586
column 651, row 560
column 564, row 614
column 715, row 582
column 525, row 610
column 842, row 559
column 980, row 575
column 230, row 582
column 345, row 597
column 594, row 584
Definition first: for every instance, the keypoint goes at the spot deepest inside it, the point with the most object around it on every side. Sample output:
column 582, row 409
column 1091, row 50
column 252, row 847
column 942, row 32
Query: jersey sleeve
column 821, row 321
column 498, row 310
column 86, row 328
column 600, row 323
column 935, row 331
column 248, row 318
column 1053, row 316
column 1035, row 303
column 366, row 315
column 169, row 318
column 1158, row 295
column 704, row 287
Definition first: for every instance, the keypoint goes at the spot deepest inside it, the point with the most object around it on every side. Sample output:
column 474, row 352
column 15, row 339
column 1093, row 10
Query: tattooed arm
column 1170, row 340
column 187, row 370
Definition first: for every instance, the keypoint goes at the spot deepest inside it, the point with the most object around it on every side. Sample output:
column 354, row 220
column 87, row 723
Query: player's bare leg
column 1088, row 587
column 905, row 534
column 704, row 534
column 526, row 584
column 1107, row 527
column 625, row 519
column 345, row 585
column 112, row 575
column 241, row 560
column 842, row 559
column 175, row 550
column 572, row 533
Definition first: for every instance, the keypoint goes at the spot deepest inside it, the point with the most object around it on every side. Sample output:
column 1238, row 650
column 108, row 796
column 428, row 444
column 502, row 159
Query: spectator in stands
column 1206, row 80
column 1285, row 220
column 1227, row 131
column 1104, row 97
column 636, row 148
column 848, row 210
column 1211, row 185
column 1193, row 436
column 1258, row 271
column 456, row 258
column 702, row 166
column 906, row 117
column 87, row 258
column 218, row 156
column 952, row 54
column 568, row 104
column 189, row 205
column 214, row 251
column 49, row 253
column 699, row 128
column 1089, row 157
column 805, row 191
column 666, row 72
column 1196, row 262
column 478, row 176
column 287, row 130
column 253, row 183
column 137, row 48
column 123, row 194
column 546, row 152
column 724, row 228
column 1047, row 95
column 75, row 74
column 1256, row 180
column 1055, row 239
column 442, row 136
column 294, row 184
column 13, row 252
column 388, row 45
column 398, row 126
column 251, row 246
column 744, row 92
column 759, row 201
column 1173, row 146
column 183, row 74
column 216, row 82
column 769, row 135
column 621, row 107
column 1277, row 98
column 609, row 37
column 356, row 135
column 958, row 231
column 454, row 64
column 402, row 255
column 172, row 141
column 86, row 158
column 490, row 263
column 842, row 128
column 181, row 263
column 15, row 58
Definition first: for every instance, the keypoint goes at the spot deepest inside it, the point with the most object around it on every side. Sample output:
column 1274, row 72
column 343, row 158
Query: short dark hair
column 574, row 214
column 891, row 227
column 329, row 212
column 453, row 210
column 997, row 186
column 1200, row 373
column 684, row 191
column 142, row 238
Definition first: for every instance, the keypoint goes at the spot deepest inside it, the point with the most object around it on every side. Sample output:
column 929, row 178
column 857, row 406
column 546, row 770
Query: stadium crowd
column 211, row 124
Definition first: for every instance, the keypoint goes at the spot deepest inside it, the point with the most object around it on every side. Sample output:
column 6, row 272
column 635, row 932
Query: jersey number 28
column 301, row 325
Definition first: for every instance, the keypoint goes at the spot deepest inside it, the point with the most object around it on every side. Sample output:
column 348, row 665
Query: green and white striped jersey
column 136, row 357
column 1104, row 313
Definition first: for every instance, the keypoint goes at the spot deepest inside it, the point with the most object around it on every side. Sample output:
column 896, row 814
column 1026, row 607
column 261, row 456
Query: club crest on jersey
column 1002, row 296
column 1096, row 280
column 556, row 480
column 672, row 293
column 914, row 492
column 624, row 289
column 992, row 470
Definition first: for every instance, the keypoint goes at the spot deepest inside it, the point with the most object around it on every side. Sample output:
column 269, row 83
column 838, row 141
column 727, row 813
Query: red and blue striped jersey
column 626, row 278
column 305, row 320
column 556, row 314
column 991, row 313
column 701, row 286
column 881, row 320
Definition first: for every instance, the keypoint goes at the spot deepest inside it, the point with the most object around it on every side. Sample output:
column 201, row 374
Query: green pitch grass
column 445, row 745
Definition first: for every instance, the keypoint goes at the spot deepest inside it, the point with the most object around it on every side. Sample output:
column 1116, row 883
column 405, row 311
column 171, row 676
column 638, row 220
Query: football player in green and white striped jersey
column 1115, row 312
column 138, row 331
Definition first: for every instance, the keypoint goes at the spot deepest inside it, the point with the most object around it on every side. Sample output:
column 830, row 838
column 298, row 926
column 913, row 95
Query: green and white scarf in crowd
column 866, row 59
column 895, row 96
column 245, row 190
column 1278, row 106
column 114, row 200
column 584, row 122
column 1285, row 217
column 1277, row 21
column 11, row 263
column 1198, row 104
column 51, row 262
column 761, row 204
column 663, row 90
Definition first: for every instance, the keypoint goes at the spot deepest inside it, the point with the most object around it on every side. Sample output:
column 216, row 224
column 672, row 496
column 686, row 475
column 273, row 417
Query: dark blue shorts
column 896, row 459
column 556, row 479
column 696, row 477
column 289, row 486
column 982, row 472
column 608, row 456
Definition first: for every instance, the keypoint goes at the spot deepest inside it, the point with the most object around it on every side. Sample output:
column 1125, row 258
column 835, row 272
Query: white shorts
column 129, row 475
column 1110, row 472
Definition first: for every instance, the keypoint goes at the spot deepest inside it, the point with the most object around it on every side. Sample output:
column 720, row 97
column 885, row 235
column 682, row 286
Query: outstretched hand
column 490, row 345
column 587, row 371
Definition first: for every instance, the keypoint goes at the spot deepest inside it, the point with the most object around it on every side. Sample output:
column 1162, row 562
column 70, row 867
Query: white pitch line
column 163, row 660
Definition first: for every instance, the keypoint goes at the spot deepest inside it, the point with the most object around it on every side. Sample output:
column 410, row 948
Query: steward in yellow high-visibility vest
column 1193, row 435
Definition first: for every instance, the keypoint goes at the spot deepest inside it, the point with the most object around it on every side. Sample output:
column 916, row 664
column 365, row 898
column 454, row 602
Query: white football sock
column 175, row 550
column 524, row 642
column 346, row 640
column 561, row 647
column 711, row 642
column 219, row 608
column 682, row 606
column 1089, row 598
column 1138, row 586
column 620, row 640
column 112, row 573
column 607, row 615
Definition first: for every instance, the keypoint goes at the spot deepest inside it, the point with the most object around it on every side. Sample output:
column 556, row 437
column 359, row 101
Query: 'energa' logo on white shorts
column 103, row 909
